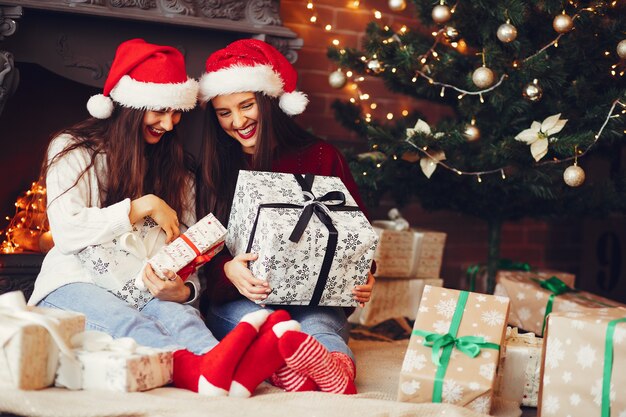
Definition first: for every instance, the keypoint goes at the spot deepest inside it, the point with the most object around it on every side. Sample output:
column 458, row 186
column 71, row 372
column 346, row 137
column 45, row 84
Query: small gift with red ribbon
column 314, row 244
column 583, row 364
column 454, row 349
column 534, row 297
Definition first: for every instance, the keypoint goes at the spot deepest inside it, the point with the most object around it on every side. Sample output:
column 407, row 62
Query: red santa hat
column 147, row 77
column 252, row 65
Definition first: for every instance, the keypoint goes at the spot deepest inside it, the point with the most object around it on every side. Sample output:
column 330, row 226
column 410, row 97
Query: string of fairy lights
column 483, row 77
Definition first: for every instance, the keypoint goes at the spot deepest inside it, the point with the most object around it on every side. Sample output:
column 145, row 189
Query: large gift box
column 392, row 298
column 454, row 349
column 31, row 340
column 313, row 243
column 584, row 362
column 412, row 253
column 518, row 375
column 111, row 364
column 534, row 297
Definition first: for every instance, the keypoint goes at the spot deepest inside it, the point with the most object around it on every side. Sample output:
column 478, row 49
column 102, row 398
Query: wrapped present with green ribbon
column 584, row 353
column 534, row 297
column 454, row 349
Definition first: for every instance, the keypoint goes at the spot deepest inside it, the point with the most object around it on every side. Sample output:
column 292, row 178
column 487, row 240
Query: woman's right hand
column 240, row 275
column 159, row 210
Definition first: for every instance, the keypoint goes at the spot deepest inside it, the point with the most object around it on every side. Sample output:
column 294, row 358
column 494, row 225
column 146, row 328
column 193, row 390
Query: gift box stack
column 407, row 259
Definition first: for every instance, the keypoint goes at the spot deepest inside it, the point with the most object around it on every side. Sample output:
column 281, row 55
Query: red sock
column 211, row 373
column 291, row 381
column 260, row 361
column 332, row 372
column 274, row 318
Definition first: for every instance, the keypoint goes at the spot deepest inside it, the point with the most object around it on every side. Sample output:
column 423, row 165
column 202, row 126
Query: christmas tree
column 537, row 89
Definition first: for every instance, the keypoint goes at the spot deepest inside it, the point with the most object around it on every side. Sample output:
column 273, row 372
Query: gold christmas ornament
column 441, row 14
column 337, row 79
column 621, row 49
column 450, row 33
column 397, row 5
column 483, row 77
column 472, row 133
column 506, row 32
column 374, row 66
column 563, row 23
column 574, row 176
column 532, row 91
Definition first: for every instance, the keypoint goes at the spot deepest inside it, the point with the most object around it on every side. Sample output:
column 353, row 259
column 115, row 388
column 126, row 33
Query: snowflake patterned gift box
column 583, row 365
column 31, row 340
column 313, row 242
column 413, row 253
column 533, row 297
column 454, row 349
column 518, row 375
column 111, row 364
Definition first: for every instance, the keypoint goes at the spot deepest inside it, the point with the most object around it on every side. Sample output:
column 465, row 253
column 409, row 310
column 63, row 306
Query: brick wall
column 555, row 245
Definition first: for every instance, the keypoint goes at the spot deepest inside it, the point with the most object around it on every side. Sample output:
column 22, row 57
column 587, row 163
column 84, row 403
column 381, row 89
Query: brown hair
column 221, row 157
column 134, row 168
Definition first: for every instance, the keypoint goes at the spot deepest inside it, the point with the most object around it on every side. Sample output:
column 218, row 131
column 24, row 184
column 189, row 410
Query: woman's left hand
column 363, row 293
column 171, row 289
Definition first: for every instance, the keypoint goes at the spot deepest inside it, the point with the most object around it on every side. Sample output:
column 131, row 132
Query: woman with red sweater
column 249, row 93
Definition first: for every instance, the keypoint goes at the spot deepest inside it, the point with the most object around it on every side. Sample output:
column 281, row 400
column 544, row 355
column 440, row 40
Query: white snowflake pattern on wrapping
column 539, row 295
column 451, row 392
column 586, row 356
column 566, row 377
column 441, row 326
column 554, row 353
column 413, row 361
column 481, row 298
column 567, row 305
column 481, row 404
column 577, row 324
column 446, row 308
column 492, row 318
column 542, row 311
column 521, row 296
column 620, row 335
column 427, row 289
column 423, row 309
column 574, row 399
column 596, row 391
column 487, row 371
column 501, row 299
column 524, row 313
column 546, row 380
column 474, row 386
column 410, row 387
column 551, row 405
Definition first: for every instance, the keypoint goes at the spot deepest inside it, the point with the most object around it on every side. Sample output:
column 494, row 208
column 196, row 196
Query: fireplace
column 55, row 54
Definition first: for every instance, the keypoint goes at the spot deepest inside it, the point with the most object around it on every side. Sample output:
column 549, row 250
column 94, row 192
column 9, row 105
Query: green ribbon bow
column 442, row 345
column 556, row 287
column 504, row 264
column 608, row 367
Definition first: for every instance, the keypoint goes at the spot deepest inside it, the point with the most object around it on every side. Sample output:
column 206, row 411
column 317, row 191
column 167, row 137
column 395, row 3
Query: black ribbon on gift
column 321, row 207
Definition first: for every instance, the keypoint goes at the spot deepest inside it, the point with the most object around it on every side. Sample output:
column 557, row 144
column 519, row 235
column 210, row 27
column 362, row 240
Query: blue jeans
column 328, row 325
column 160, row 324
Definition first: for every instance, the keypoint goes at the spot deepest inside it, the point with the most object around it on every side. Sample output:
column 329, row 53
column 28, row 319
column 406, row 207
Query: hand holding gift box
column 114, row 365
column 30, row 341
column 313, row 242
column 456, row 363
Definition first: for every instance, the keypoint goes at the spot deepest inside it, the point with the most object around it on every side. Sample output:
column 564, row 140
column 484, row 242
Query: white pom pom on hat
column 251, row 65
column 147, row 77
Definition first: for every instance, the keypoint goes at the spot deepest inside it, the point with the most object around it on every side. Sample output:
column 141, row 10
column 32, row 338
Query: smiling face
column 238, row 115
column 156, row 123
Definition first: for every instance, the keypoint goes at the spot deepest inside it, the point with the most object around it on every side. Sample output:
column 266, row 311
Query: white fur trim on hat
column 100, row 106
column 155, row 96
column 239, row 79
column 293, row 103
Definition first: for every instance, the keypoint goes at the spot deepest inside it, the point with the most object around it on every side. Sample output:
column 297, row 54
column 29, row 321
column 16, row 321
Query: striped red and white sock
column 211, row 373
column 291, row 381
column 332, row 372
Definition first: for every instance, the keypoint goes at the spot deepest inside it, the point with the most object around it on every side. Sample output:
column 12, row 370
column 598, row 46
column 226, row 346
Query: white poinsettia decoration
column 538, row 135
column 421, row 127
column 429, row 163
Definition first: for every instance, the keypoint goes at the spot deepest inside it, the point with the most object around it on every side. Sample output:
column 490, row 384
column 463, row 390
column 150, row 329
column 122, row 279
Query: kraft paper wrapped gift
column 404, row 254
column 31, row 340
column 518, row 375
column 392, row 298
column 568, row 278
column 584, row 362
column 313, row 242
column 454, row 349
column 111, row 364
column 533, row 298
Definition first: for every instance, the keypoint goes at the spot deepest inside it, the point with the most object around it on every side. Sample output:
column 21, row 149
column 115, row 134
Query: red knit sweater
column 321, row 158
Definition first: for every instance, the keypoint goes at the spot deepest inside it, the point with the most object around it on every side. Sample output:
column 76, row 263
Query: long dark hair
column 134, row 168
column 221, row 157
